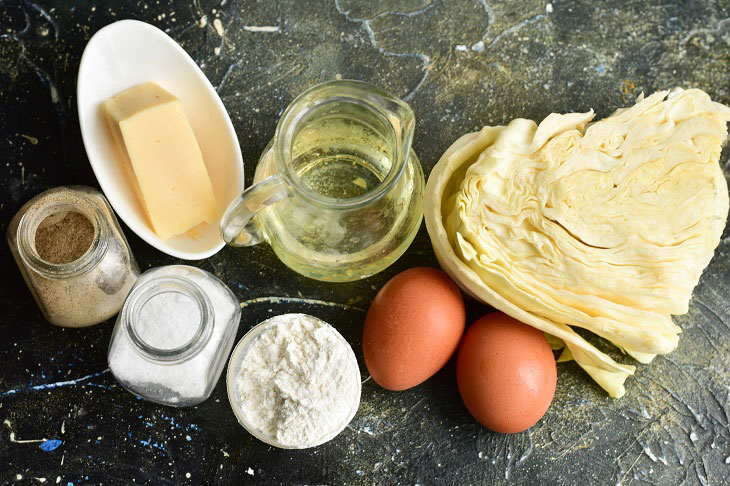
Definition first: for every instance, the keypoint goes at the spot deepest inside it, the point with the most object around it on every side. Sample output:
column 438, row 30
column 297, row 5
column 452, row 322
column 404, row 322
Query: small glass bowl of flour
column 294, row 382
column 173, row 335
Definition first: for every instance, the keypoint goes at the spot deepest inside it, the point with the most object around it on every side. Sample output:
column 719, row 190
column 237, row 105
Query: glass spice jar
column 173, row 335
column 73, row 255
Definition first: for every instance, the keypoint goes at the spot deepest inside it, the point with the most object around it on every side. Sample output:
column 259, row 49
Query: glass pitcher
column 338, row 191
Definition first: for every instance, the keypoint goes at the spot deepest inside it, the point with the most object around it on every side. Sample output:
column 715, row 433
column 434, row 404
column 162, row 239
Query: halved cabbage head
column 605, row 226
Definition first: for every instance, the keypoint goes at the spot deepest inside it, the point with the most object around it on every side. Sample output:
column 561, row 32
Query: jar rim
column 356, row 92
column 52, row 204
column 141, row 294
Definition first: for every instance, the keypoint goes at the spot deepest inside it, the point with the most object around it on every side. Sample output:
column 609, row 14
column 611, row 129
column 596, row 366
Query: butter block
column 163, row 158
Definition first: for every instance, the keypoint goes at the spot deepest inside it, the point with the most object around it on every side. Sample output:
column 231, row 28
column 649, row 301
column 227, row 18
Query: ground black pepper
column 64, row 237
column 73, row 255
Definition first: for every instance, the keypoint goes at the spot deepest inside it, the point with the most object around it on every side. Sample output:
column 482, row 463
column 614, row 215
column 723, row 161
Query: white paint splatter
column 219, row 27
column 649, row 453
column 272, row 299
column 478, row 47
column 32, row 140
column 549, row 8
column 249, row 471
column 461, row 48
column 203, row 21
column 261, row 28
column 19, row 441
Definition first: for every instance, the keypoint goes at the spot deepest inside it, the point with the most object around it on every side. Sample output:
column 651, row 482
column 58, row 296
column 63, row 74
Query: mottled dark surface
column 461, row 65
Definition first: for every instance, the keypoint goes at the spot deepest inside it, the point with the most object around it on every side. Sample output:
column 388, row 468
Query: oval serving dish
column 130, row 52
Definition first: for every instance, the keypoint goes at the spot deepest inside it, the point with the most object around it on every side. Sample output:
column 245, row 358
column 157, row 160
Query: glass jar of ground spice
column 73, row 255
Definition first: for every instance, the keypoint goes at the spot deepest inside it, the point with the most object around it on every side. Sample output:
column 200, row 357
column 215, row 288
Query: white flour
column 299, row 381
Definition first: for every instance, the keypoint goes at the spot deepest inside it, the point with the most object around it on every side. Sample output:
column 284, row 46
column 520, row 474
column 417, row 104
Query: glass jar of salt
column 173, row 335
column 73, row 255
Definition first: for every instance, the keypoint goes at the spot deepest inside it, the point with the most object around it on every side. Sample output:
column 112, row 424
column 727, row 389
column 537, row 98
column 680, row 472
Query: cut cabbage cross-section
column 604, row 226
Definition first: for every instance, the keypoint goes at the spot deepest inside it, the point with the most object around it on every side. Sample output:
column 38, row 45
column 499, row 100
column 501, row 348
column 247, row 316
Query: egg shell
column 506, row 373
column 412, row 328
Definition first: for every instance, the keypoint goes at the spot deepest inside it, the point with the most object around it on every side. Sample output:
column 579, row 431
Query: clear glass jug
column 338, row 192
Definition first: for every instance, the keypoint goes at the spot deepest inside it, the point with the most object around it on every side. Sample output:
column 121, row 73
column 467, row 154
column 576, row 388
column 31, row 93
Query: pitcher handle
column 237, row 226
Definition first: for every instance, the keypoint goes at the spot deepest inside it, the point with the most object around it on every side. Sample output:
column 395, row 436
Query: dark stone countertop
column 461, row 65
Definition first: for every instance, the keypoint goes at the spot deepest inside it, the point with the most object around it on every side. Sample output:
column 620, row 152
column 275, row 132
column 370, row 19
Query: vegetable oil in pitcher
column 342, row 155
column 338, row 192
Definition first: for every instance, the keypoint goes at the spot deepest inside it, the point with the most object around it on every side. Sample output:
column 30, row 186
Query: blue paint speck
column 159, row 446
column 149, row 442
column 50, row 445
column 601, row 69
column 69, row 483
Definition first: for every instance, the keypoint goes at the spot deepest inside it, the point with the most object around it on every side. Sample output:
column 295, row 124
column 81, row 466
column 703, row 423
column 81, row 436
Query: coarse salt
column 169, row 345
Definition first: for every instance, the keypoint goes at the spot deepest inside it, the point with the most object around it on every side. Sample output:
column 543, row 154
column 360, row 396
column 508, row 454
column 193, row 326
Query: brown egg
column 412, row 328
column 506, row 373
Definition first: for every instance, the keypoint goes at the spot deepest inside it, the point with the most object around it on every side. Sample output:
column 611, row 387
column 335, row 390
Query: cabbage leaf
column 603, row 226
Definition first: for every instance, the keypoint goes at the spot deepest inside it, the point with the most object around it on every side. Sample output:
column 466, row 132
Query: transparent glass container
column 338, row 192
column 236, row 364
column 85, row 291
column 173, row 335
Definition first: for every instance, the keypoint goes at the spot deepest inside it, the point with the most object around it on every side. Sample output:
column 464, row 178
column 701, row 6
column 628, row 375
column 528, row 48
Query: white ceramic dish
column 127, row 53
column 234, row 397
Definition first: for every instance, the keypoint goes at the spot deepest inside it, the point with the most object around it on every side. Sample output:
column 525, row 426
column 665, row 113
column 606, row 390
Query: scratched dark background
column 461, row 65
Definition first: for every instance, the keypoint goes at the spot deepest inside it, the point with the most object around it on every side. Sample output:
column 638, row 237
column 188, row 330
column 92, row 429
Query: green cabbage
column 604, row 226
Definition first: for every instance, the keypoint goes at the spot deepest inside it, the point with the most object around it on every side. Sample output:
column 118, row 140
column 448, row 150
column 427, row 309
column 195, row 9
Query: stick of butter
column 163, row 158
